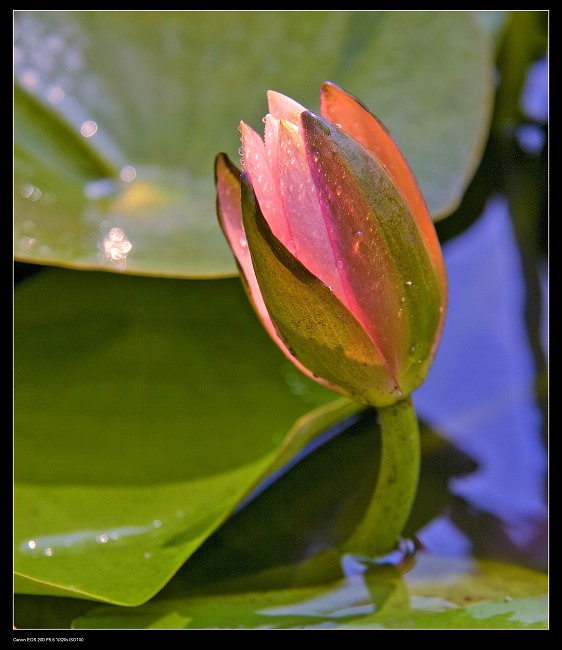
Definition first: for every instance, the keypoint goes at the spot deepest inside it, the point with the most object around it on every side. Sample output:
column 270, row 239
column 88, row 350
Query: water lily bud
column 335, row 245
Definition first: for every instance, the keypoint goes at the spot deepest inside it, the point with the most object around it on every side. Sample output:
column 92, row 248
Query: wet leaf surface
column 131, row 445
column 143, row 124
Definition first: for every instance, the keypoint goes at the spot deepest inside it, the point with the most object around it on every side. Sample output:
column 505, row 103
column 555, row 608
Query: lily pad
column 119, row 115
column 438, row 594
column 135, row 438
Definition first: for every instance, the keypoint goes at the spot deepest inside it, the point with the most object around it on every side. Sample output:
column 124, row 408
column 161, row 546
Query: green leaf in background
column 119, row 115
column 135, row 438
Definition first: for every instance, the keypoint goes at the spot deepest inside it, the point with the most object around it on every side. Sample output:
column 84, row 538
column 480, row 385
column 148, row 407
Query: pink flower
column 336, row 248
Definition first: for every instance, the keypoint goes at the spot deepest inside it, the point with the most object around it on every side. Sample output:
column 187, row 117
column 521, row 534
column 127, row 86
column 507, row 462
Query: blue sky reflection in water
column 480, row 391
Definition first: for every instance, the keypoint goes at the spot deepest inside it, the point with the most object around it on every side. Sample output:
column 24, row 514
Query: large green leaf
column 166, row 91
column 136, row 437
column 251, row 572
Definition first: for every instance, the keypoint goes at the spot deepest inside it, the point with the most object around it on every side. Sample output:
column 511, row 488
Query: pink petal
column 282, row 107
column 347, row 112
column 261, row 171
column 310, row 241
column 281, row 179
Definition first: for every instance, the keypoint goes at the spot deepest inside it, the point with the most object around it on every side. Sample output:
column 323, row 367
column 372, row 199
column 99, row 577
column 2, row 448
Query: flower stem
column 379, row 531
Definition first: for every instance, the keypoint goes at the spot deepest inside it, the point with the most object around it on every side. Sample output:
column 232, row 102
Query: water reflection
column 480, row 390
column 351, row 598
column 534, row 104
column 534, row 97
column 531, row 138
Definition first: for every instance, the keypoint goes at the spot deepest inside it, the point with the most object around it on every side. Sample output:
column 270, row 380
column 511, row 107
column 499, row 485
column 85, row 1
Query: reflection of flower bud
column 336, row 247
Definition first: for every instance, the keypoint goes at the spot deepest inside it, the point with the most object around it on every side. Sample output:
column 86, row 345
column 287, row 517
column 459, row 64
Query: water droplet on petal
column 358, row 238
column 340, row 264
